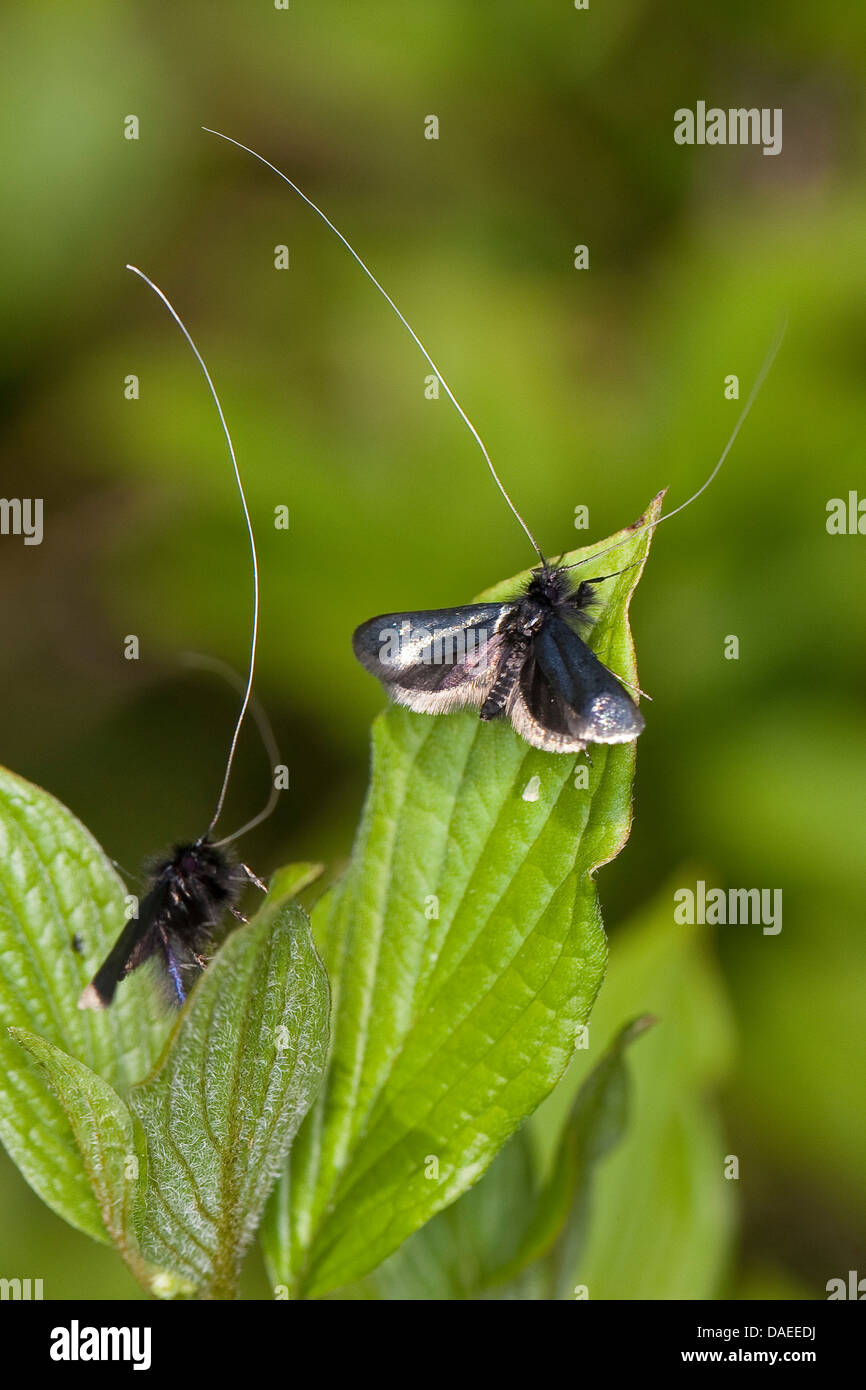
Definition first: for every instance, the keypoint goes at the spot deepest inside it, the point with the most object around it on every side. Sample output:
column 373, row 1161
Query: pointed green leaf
column 112, row 1148
column 465, row 947
column 61, row 906
column 104, row 1131
column 292, row 879
column 220, row 1111
column 459, row 1254
column 595, row 1125
column 486, row 1243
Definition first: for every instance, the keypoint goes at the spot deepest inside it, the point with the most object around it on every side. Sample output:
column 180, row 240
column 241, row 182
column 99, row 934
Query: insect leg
column 253, row 878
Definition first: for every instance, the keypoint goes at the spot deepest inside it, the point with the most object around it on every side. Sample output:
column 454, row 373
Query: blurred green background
column 590, row 387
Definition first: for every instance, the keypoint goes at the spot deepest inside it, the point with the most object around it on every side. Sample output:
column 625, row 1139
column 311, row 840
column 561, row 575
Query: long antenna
column 753, row 395
column 255, row 632
column 385, row 295
column 220, row 668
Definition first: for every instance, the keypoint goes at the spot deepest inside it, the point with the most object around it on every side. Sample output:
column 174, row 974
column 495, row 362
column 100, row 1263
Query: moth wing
column 566, row 698
column 436, row 660
column 135, row 944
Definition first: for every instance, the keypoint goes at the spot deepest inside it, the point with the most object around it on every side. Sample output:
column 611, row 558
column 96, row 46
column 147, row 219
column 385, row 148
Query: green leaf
column 485, row 1244
column 460, row 1253
column 292, row 879
column 111, row 1146
column 662, row 1210
column 465, row 948
column 58, row 891
column 103, row 1129
column 595, row 1126
column 219, row 1113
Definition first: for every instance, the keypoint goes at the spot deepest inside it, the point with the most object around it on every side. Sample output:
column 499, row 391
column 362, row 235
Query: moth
column 527, row 659
column 192, row 888
column 176, row 922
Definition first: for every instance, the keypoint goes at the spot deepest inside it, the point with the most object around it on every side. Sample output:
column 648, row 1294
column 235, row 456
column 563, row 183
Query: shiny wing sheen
column 565, row 698
column 436, row 660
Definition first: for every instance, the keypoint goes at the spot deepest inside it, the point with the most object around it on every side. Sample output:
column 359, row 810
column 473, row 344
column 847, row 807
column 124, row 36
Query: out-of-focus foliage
column 661, row 1220
column 595, row 388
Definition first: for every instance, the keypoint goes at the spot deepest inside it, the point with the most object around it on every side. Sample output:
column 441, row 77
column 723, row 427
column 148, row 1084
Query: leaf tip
column 637, row 1026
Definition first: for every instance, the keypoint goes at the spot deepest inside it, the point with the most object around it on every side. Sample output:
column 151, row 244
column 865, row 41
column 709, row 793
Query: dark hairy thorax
column 549, row 592
column 190, row 893
column 553, row 590
column 200, row 883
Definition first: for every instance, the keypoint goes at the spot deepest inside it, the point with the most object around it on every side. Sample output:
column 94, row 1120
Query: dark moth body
column 523, row 660
column 188, row 894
